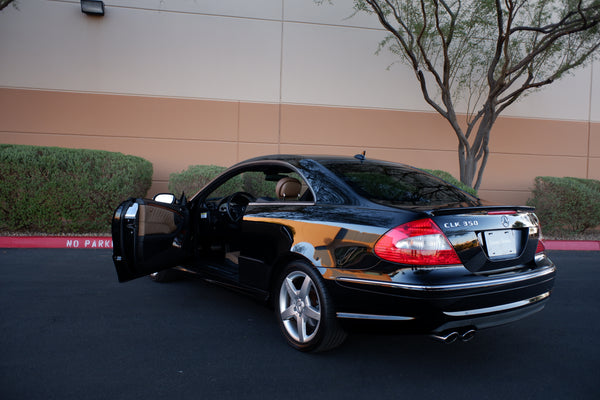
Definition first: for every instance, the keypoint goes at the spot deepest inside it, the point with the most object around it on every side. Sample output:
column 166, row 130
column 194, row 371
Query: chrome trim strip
column 502, row 307
column 453, row 286
column 374, row 317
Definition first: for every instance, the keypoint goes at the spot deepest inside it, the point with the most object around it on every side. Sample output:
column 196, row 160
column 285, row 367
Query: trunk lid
column 491, row 239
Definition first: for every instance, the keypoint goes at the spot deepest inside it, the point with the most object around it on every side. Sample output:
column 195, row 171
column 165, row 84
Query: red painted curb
column 56, row 242
column 105, row 242
column 579, row 245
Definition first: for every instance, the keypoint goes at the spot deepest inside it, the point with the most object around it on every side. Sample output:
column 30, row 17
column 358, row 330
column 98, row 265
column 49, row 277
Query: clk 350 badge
column 461, row 224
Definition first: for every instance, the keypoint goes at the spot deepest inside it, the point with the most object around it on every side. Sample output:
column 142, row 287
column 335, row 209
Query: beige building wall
column 215, row 82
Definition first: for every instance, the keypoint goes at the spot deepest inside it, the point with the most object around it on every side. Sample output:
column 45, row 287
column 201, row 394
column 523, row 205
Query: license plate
column 501, row 244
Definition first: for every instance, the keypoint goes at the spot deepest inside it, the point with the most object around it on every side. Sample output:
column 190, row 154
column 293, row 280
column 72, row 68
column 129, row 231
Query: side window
column 291, row 187
column 265, row 186
column 232, row 185
column 256, row 183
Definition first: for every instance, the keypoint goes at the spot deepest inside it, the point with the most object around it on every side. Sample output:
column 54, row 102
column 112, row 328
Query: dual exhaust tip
column 453, row 336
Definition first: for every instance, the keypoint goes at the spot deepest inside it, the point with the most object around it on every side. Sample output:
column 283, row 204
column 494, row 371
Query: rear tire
column 305, row 311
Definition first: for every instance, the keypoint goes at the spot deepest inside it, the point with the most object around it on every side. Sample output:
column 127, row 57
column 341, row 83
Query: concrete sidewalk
column 105, row 242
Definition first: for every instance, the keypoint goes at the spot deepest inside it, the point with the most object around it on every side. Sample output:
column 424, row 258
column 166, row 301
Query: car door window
column 230, row 186
column 262, row 185
column 256, row 183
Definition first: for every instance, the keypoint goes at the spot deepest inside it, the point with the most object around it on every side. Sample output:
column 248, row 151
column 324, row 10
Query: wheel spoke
column 312, row 313
column 291, row 290
column 305, row 289
column 288, row 313
column 301, row 325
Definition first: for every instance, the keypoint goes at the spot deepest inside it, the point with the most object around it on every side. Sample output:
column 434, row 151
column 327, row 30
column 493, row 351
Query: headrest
column 288, row 188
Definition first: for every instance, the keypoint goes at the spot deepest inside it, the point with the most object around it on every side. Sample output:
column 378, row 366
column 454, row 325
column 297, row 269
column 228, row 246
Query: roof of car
column 295, row 158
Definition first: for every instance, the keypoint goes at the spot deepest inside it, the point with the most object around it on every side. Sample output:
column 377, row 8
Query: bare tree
column 485, row 54
column 4, row 3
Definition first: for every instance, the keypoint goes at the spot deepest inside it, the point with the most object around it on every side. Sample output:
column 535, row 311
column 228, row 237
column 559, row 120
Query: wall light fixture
column 92, row 7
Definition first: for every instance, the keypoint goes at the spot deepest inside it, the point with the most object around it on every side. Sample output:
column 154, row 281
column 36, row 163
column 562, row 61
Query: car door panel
column 148, row 236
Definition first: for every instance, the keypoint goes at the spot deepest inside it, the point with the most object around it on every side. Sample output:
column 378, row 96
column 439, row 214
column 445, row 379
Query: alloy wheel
column 299, row 307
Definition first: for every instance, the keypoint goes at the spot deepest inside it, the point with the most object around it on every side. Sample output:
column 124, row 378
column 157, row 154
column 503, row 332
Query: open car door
column 148, row 236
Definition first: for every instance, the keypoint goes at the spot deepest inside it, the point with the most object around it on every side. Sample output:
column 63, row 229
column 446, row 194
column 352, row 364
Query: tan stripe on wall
column 175, row 133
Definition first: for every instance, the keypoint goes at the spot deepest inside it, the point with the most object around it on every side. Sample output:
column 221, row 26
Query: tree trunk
column 473, row 154
column 468, row 166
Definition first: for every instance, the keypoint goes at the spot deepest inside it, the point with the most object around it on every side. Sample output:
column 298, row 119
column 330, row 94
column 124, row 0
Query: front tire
column 305, row 311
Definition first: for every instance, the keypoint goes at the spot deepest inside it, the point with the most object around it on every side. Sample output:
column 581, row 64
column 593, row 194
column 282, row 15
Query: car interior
column 230, row 199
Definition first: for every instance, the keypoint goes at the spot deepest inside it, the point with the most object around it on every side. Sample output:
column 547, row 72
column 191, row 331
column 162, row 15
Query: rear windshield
column 397, row 185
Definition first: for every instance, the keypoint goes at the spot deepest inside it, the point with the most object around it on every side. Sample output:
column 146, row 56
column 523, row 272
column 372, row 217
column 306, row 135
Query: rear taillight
column 540, row 247
column 419, row 243
column 540, row 244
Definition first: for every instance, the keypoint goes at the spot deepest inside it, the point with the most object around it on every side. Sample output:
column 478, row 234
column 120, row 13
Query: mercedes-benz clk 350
column 333, row 243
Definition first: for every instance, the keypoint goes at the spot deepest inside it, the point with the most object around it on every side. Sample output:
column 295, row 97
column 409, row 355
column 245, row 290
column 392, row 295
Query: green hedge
column 193, row 179
column 571, row 204
column 446, row 176
column 196, row 177
column 56, row 190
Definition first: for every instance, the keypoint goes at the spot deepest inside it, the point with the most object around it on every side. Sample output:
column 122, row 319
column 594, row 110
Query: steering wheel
column 236, row 205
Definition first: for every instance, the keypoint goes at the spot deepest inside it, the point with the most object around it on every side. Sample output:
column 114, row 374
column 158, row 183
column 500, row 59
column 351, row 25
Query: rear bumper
column 432, row 307
column 456, row 286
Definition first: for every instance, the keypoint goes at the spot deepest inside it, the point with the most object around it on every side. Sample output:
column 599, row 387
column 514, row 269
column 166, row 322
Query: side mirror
column 167, row 198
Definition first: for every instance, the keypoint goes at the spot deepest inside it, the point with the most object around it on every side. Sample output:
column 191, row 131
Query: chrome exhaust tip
column 468, row 335
column 447, row 338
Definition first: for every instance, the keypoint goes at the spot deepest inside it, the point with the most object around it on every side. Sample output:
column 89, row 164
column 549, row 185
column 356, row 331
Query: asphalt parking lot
column 69, row 330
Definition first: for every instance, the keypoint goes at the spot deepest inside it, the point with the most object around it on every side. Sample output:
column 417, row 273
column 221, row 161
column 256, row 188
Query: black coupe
column 334, row 242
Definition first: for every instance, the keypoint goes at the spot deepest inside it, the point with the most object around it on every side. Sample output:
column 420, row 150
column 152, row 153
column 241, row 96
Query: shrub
column 193, row 179
column 452, row 180
column 57, row 190
column 566, row 203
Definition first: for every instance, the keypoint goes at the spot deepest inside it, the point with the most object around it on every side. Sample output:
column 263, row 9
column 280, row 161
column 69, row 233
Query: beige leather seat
column 288, row 188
